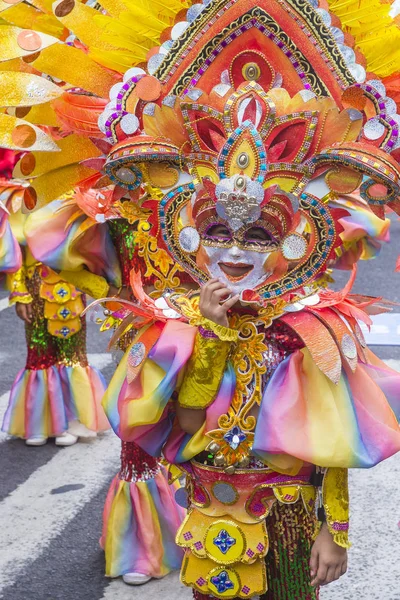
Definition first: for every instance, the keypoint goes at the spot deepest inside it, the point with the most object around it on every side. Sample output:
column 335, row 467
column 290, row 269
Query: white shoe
column 36, row 440
column 66, row 439
column 135, row 578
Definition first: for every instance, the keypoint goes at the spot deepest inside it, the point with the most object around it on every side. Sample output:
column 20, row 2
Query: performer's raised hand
column 215, row 301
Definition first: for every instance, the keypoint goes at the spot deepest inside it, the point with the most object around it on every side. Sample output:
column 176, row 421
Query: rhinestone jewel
column 235, row 437
column 126, row 175
column 222, row 582
column 348, row 346
column 243, row 160
column 136, row 354
column 224, row 541
column 64, row 313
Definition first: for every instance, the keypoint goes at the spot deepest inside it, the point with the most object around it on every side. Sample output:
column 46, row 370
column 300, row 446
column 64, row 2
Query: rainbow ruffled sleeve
column 10, row 252
column 63, row 238
column 305, row 415
column 363, row 233
column 142, row 410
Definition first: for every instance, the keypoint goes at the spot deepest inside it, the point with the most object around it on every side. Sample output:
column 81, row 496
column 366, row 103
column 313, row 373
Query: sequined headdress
column 252, row 112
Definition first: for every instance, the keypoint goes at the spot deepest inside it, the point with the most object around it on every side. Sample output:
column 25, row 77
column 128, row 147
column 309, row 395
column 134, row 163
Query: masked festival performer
column 97, row 247
column 250, row 123
column 58, row 394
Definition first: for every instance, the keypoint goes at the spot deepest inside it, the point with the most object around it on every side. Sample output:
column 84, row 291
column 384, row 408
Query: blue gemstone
column 224, row 541
column 235, row 437
column 222, row 582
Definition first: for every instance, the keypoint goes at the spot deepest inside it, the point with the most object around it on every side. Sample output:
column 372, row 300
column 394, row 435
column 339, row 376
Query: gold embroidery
column 335, row 496
column 204, row 372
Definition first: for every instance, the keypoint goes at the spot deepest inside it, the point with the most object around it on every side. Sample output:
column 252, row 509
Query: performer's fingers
column 29, row 313
column 205, row 292
column 338, row 573
column 330, row 576
column 221, row 293
column 344, row 567
column 313, row 565
column 321, row 575
column 231, row 301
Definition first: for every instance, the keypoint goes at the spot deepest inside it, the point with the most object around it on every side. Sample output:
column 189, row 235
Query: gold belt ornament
column 225, row 534
column 62, row 305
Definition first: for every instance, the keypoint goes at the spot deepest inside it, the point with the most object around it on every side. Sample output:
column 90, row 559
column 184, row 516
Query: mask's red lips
column 235, row 270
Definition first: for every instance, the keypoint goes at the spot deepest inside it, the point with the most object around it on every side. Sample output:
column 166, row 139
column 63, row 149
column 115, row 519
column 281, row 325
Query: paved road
column 49, row 533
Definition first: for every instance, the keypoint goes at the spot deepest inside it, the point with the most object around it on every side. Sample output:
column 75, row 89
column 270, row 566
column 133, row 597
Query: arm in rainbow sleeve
column 61, row 236
column 140, row 401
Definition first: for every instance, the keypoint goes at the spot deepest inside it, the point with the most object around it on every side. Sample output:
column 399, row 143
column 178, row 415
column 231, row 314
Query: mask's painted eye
column 218, row 231
column 259, row 235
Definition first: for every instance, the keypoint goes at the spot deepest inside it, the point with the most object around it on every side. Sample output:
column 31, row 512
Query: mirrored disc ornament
column 294, row 246
column 133, row 72
column 194, row 12
column 325, row 16
column 189, row 239
column 179, row 29
column 378, row 86
column 347, row 53
column 182, row 497
column 337, row 34
column 358, row 72
column 390, row 106
column 225, row 493
column 154, row 62
column 374, row 129
column 101, row 122
column 129, row 124
column 115, row 90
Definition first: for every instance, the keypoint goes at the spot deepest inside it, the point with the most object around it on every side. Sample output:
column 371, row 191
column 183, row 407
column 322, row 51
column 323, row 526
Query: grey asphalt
column 71, row 565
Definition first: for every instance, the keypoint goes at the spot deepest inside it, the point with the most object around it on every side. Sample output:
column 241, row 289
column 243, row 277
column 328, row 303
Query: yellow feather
column 375, row 32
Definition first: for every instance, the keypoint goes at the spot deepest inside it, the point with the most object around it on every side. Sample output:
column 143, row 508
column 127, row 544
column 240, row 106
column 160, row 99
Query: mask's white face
column 235, row 263
column 239, row 269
